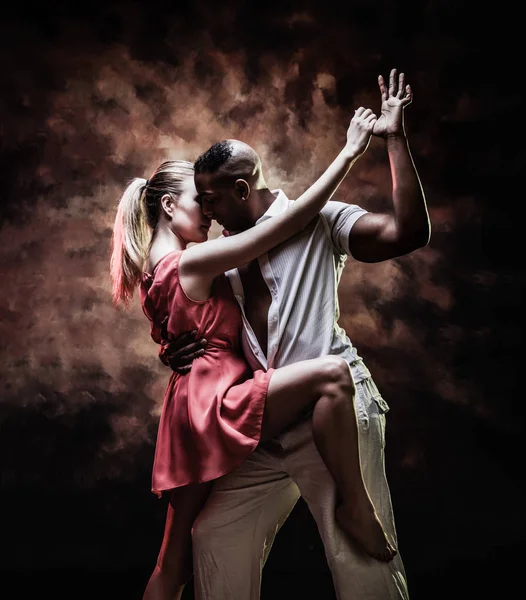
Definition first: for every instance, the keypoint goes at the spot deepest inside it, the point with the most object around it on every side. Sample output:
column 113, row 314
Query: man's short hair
column 214, row 158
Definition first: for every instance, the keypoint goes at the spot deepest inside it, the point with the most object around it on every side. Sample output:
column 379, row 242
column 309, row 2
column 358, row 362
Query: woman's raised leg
column 174, row 563
column 326, row 384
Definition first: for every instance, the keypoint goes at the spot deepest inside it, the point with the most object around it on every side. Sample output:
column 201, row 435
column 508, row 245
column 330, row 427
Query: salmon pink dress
column 211, row 416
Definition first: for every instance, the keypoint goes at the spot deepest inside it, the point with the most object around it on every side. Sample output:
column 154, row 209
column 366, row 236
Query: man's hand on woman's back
column 179, row 353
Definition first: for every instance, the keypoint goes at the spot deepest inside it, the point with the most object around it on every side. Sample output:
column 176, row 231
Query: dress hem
column 252, row 447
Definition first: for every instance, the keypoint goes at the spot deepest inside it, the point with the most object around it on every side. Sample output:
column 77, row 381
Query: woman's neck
column 164, row 240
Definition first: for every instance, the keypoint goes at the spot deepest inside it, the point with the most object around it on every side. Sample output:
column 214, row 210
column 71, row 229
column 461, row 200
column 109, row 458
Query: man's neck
column 261, row 202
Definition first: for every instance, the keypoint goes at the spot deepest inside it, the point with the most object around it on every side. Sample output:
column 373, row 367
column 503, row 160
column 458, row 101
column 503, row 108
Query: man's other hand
column 179, row 353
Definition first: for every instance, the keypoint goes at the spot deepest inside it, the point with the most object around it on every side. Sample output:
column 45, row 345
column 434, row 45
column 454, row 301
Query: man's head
column 228, row 179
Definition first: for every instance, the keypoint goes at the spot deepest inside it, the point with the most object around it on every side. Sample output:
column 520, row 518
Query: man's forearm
column 410, row 210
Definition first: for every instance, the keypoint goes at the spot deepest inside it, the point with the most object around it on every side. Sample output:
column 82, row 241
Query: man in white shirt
column 289, row 303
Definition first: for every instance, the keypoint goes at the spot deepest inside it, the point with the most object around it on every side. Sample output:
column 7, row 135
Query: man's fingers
column 383, row 89
column 401, row 86
column 186, row 338
column 359, row 111
column 177, row 366
column 193, row 355
column 366, row 113
column 182, row 370
column 392, row 82
column 182, row 341
column 408, row 96
column 186, row 350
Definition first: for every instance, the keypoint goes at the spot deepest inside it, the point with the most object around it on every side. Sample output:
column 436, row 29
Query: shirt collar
column 279, row 205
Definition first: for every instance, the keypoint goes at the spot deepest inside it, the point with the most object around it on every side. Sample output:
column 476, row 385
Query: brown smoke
column 115, row 116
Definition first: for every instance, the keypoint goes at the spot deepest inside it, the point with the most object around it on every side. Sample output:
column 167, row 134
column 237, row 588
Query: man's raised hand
column 399, row 95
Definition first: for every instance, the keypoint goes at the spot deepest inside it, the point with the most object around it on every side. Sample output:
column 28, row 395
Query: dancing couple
column 268, row 399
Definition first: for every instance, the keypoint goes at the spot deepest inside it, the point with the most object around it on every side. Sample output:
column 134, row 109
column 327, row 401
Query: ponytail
column 137, row 218
column 131, row 242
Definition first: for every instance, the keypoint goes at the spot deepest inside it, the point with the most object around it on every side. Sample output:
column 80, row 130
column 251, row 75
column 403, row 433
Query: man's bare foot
column 366, row 530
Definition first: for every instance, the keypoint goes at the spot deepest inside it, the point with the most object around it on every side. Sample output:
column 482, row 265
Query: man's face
column 220, row 201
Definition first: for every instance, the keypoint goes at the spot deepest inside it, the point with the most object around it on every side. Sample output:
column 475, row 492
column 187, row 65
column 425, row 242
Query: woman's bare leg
column 174, row 563
column 326, row 384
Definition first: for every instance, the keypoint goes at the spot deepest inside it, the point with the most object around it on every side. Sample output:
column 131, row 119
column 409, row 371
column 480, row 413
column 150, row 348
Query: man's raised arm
column 376, row 237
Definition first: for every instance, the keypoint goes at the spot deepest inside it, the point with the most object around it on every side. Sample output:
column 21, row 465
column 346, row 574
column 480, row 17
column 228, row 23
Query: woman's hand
column 360, row 131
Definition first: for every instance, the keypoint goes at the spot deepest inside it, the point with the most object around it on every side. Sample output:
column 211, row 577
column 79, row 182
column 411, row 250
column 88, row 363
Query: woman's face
column 189, row 222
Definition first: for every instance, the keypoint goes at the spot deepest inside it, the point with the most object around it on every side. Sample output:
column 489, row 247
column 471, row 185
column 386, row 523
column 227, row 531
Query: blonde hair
column 135, row 223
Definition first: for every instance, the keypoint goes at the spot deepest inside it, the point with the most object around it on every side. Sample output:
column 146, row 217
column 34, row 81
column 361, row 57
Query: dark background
column 95, row 93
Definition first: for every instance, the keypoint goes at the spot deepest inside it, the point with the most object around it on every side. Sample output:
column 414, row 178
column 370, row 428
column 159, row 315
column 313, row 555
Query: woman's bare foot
column 365, row 529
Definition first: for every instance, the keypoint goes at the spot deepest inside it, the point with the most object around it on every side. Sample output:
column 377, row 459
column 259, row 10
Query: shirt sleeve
column 341, row 217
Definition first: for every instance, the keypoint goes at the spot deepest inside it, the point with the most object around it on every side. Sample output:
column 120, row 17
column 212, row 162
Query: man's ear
column 168, row 205
column 242, row 189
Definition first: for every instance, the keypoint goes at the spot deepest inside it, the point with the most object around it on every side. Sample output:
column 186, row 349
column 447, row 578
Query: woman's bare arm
column 200, row 264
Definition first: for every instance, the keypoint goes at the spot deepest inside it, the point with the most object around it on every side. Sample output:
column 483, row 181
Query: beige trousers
column 234, row 532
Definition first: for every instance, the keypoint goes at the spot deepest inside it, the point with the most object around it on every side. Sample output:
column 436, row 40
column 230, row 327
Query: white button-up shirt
column 302, row 275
